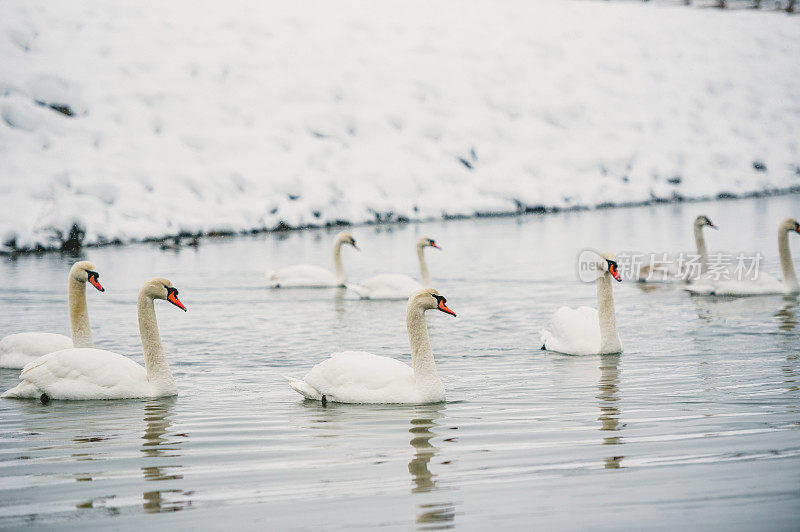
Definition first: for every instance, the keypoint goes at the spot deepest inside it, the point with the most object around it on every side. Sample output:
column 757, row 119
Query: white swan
column 755, row 283
column 587, row 331
column 398, row 286
column 18, row 349
column 359, row 377
column 668, row 273
column 311, row 276
column 86, row 373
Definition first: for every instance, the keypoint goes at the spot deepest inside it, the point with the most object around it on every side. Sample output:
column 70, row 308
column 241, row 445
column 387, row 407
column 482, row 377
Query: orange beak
column 435, row 246
column 172, row 298
column 444, row 308
column 93, row 279
column 615, row 273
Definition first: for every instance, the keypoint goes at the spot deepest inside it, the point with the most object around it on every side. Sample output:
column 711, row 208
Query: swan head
column 429, row 299
column 86, row 272
column 789, row 225
column 425, row 241
column 703, row 221
column 160, row 288
column 609, row 264
column 345, row 238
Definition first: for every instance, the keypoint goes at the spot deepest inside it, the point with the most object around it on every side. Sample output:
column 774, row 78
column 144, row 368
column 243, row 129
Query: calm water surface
column 696, row 424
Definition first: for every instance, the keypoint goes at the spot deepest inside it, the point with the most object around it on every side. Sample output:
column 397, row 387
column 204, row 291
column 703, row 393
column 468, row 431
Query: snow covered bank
column 141, row 119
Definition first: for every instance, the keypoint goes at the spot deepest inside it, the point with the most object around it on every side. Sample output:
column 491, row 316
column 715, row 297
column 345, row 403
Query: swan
column 398, row 286
column 311, row 276
column 666, row 273
column 87, row 373
column 359, row 377
column 759, row 283
column 586, row 331
column 18, row 349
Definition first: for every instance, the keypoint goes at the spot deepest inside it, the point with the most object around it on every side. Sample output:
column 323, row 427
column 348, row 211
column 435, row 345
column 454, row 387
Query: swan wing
column 82, row 373
column 387, row 286
column 16, row 350
column 764, row 284
column 302, row 276
column 360, row 377
column 573, row 331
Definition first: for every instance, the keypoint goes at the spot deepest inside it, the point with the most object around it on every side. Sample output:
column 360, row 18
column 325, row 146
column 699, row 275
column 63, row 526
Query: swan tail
column 23, row 390
column 304, row 389
column 362, row 293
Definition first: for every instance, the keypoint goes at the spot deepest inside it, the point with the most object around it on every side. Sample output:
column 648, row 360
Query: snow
column 208, row 116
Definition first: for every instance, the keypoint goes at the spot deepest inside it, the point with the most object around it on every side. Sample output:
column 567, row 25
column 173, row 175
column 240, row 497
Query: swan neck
column 421, row 353
column 701, row 247
column 79, row 314
column 609, row 339
column 425, row 275
column 337, row 262
column 155, row 361
column 787, row 267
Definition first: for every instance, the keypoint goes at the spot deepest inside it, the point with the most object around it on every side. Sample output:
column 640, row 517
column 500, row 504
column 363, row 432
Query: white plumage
column 16, row 350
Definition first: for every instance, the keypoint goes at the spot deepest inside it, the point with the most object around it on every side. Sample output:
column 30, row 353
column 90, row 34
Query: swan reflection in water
column 609, row 409
column 431, row 516
column 157, row 445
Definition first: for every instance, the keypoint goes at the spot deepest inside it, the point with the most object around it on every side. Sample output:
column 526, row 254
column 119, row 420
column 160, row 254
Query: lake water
column 696, row 424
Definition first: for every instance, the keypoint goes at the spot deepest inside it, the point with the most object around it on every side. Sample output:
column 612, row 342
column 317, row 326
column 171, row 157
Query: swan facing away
column 360, row 377
column 18, row 349
column 86, row 373
column 312, row 276
column 755, row 283
column 670, row 273
column 398, row 286
column 586, row 331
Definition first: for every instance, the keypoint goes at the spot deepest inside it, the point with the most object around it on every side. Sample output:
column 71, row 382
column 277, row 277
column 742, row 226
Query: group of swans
column 74, row 369
column 383, row 286
column 725, row 280
column 79, row 371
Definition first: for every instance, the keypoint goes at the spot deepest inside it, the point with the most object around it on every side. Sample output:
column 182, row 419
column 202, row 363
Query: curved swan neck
column 79, row 314
column 155, row 361
column 337, row 261
column 787, row 267
column 421, row 352
column 701, row 247
column 425, row 275
column 609, row 339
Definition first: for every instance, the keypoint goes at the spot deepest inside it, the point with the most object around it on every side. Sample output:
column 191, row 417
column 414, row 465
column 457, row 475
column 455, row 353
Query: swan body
column 397, row 286
column 359, row 377
column 18, row 349
column 88, row 373
column 311, row 276
column 587, row 331
column 669, row 272
column 752, row 284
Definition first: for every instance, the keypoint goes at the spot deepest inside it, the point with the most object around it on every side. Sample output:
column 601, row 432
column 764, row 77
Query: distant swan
column 18, row 349
column 668, row 273
column 752, row 285
column 397, row 286
column 360, row 377
column 312, row 276
column 587, row 331
column 86, row 373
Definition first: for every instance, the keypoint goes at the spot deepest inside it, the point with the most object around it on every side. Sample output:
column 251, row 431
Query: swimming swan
column 586, row 331
column 398, row 286
column 668, row 273
column 755, row 283
column 359, row 377
column 86, row 373
column 18, row 349
column 312, row 276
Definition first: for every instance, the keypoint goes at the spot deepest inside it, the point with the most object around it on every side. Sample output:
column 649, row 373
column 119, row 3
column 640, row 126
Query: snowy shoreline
column 134, row 123
column 179, row 240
